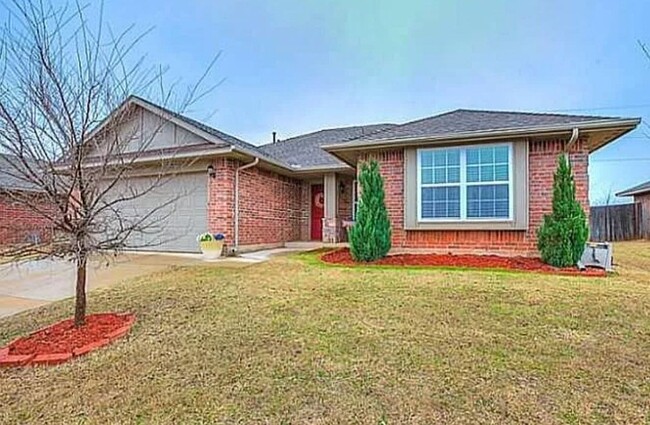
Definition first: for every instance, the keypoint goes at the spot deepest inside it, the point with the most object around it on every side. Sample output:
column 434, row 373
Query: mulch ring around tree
column 527, row 264
column 61, row 342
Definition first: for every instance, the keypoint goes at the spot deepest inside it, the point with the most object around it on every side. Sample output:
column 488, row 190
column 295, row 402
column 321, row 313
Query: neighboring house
column 463, row 181
column 641, row 194
column 19, row 223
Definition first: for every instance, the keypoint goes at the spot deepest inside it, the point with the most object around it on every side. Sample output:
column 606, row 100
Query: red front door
column 317, row 212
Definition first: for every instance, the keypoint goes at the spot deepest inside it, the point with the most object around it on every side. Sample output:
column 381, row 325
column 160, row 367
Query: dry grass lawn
column 292, row 341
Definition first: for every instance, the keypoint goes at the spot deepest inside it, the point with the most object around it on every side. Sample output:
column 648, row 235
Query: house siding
column 542, row 163
column 273, row 209
column 19, row 224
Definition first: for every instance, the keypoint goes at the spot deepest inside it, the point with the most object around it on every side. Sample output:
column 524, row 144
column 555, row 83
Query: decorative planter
column 211, row 245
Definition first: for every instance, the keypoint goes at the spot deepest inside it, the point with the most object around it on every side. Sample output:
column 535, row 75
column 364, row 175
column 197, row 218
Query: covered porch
column 332, row 198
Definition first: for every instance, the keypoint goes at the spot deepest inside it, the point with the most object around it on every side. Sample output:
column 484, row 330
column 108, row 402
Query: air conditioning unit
column 597, row 254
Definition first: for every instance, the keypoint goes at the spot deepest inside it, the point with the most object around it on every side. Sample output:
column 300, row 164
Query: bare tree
column 66, row 125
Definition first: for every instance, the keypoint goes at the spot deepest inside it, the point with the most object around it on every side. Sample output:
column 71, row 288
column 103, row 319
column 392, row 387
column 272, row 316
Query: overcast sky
column 296, row 66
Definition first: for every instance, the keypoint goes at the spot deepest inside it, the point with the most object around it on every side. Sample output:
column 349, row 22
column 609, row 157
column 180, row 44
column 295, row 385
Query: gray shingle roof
column 636, row 190
column 465, row 120
column 10, row 177
column 305, row 151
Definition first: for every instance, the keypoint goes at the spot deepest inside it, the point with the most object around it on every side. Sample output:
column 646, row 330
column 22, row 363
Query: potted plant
column 211, row 245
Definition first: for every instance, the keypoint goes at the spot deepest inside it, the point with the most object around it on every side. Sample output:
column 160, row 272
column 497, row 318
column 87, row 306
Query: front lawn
column 295, row 341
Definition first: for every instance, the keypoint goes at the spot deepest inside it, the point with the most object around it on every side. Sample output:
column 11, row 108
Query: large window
column 465, row 184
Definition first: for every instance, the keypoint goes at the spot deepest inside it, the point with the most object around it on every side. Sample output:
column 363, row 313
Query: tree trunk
column 80, row 299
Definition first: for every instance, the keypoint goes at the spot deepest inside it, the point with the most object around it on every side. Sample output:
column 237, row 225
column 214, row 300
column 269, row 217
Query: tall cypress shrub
column 370, row 235
column 562, row 236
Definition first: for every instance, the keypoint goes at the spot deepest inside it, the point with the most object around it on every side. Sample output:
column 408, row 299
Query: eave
column 609, row 129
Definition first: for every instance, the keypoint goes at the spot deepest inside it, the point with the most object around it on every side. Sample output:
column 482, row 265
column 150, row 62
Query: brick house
column 463, row 181
column 19, row 223
column 641, row 195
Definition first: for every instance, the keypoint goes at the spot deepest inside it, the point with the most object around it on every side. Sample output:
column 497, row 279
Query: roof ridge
column 292, row 139
column 408, row 123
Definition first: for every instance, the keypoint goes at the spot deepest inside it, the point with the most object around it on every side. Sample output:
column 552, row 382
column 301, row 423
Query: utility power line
column 602, row 108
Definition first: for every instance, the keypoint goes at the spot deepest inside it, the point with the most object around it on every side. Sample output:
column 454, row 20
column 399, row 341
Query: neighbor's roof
column 468, row 123
column 10, row 177
column 636, row 190
column 305, row 151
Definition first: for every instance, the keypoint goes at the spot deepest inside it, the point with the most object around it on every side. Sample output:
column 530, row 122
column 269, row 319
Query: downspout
column 243, row 167
column 574, row 138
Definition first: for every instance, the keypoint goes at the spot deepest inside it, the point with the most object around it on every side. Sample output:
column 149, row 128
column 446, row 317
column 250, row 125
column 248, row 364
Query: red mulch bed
column 62, row 341
column 343, row 257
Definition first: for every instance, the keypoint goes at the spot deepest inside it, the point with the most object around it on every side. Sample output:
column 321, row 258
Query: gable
column 138, row 129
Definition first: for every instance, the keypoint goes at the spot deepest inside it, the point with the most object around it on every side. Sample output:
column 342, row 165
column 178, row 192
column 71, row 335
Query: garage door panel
column 176, row 208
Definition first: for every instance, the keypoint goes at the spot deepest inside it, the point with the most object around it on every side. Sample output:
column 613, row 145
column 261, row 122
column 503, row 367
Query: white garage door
column 174, row 211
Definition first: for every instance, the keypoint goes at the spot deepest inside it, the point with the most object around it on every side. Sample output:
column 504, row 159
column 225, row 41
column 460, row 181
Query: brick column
column 221, row 198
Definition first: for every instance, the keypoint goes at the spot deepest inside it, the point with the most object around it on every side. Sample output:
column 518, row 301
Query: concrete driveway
column 31, row 284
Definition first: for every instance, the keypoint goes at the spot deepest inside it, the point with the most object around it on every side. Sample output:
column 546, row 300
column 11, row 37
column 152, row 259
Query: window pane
column 426, row 159
column 501, row 209
column 427, row 194
column 453, row 157
column 473, row 193
column 453, row 174
column 441, row 209
column 488, row 201
column 487, row 192
column 427, row 175
column 501, row 172
column 440, row 194
column 472, row 209
column 487, row 209
column 487, row 173
column 440, row 175
column 501, row 191
column 472, row 156
column 487, row 155
column 427, row 210
column 453, row 193
column 453, row 209
column 440, row 158
column 501, row 154
column 472, row 173
column 441, row 202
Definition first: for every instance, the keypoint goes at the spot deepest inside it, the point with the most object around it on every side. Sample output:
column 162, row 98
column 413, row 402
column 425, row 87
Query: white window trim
column 463, row 185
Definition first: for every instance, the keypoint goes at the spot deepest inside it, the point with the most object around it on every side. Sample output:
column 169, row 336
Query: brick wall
column 271, row 206
column 345, row 198
column 20, row 224
column 305, row 206
column 345, row 204
column 221, row 198
column 542, row 164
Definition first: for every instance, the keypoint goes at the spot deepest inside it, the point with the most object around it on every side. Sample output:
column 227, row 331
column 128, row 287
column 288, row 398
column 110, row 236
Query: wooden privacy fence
column 618, row 223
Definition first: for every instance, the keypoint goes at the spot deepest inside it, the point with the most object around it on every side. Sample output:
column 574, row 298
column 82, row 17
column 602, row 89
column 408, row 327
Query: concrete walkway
column 31, row 284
